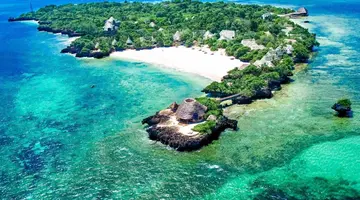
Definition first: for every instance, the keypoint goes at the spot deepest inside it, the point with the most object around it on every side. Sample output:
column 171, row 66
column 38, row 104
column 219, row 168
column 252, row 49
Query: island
column 343, row 107
column 190, row 125
column 257, row 48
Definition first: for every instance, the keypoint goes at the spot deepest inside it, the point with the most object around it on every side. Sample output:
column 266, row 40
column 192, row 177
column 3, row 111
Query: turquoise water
column 62, row 139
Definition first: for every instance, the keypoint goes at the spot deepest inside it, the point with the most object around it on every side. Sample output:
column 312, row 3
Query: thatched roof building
column 251, row 43
column 177, row 36
column 289, row 49
column 113, row 42
column 303, row 11
column 129, row 42
column 208, row 35
column 273, row 55
column 152, row 24
column 227, row 35
column 190, row 111
column 111, row 24
column 266, row 15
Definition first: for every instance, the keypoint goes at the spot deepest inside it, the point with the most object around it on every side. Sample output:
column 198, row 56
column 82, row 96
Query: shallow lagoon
column 61, row 139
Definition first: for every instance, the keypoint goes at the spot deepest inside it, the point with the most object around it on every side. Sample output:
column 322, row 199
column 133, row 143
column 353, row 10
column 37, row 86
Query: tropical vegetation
column 149, row 25
column 344, row 102
column 205, row 127
column 280, row 42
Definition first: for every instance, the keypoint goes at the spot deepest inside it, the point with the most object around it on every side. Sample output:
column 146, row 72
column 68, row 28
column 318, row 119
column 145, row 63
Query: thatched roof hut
column 113, row 42
column 177, row 36
column 152, row 24
column 266, row 15
column 251, row 43
column 129, row 42
column 191, row 111
column 111, row 24
column 153, row 40
column 227, row 35
column 303, row 11
column 208, row 35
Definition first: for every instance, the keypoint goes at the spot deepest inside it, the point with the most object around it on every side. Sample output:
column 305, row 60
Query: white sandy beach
column 68, row 40
column 211, row 65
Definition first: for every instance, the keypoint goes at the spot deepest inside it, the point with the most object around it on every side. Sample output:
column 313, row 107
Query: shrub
column 344, row 102
column 214, row 48
column 250, row 56
column 271, row 76
column 252, row 69
column 284, row 67
column 213, row 106
column 301, row 53
column 205, row 128
column 216, row 87
column 241, row 51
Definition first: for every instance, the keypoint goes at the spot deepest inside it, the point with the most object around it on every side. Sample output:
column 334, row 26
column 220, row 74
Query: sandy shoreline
column 200, row 61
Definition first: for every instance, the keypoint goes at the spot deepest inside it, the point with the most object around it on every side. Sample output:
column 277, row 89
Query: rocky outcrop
column 78, row 53
column 155, row 119
column 12, row 19
column 343, row 111
column 275, row 85
column 169, row 135
column 242, row 100
column 44, row 26
column 173, row 107
column 264, row 93
column 70, row 33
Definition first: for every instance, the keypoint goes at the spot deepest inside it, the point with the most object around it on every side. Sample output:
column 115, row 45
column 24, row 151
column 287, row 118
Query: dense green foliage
column 205, row 128
column 148, row 25
column 250, row 79
column 191, row 18
column 213, row 106
column 344, row 102
column 301, row 53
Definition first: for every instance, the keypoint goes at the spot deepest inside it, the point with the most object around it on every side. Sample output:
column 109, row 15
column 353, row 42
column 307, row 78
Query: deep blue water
column 60, row 139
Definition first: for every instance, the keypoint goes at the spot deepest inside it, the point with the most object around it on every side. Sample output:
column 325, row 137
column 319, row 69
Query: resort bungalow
column 266, row 15
column 301, row 12
column 97, row 45
column 129, row 41
column 113, row 42
column 111, row 24
column 227, row 35
column 190, row 111
column 177, row 36
column 289, row 49
column 208, row 35
column 251, row 43
column 153, row 40
column 152, row 24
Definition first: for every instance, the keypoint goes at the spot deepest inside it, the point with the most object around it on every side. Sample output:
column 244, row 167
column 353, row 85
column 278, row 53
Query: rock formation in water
column 343, row 108
column 160, row 130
